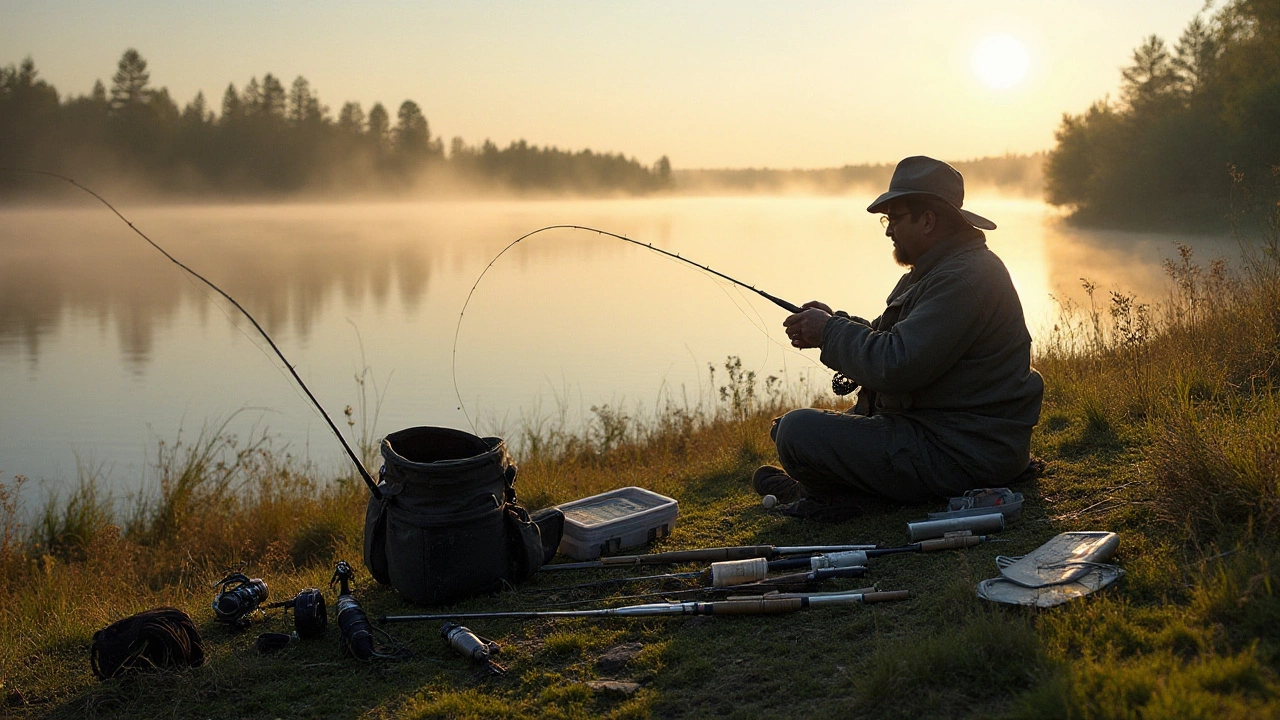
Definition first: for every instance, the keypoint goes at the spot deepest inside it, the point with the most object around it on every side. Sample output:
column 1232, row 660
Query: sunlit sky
column 738, row 83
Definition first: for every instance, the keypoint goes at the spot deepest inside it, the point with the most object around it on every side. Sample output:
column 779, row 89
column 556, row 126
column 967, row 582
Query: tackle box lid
column 617, row 507
column 614, row 520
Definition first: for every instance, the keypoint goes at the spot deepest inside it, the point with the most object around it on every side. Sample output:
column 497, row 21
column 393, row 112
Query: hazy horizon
column 713, row 85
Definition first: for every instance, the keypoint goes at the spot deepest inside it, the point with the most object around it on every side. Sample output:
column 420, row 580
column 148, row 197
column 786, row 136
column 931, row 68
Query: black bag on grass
column 162, row 637
column 448, row 525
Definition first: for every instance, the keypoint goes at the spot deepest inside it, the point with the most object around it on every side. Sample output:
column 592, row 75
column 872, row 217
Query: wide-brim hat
column 920, row 175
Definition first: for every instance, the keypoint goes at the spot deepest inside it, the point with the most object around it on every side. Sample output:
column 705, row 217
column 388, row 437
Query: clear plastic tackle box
column 616, row 520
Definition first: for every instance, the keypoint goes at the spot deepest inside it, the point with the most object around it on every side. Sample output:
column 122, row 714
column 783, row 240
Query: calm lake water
column 106, row 348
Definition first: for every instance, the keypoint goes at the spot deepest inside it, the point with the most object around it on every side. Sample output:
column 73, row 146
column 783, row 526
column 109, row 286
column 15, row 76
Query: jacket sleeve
column 921, row 346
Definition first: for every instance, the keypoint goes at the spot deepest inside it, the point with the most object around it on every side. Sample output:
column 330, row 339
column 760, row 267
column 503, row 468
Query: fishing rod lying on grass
column 778, row 556
column 793, row 583
column 736, row 573
column 850, row 558
column 731, row 574
column 717, row 554
column 776, row 604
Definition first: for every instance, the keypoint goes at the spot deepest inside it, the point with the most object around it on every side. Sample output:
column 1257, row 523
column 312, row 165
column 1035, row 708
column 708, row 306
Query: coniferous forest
column 1193, row 125
column 268, row 139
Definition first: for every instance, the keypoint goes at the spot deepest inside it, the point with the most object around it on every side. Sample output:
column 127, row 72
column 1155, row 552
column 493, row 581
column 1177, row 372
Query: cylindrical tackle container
column 737, row 572
column 848, row 558
column 927, row 529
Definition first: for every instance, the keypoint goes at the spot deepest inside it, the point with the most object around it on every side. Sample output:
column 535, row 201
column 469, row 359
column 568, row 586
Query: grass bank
column 1161, row 422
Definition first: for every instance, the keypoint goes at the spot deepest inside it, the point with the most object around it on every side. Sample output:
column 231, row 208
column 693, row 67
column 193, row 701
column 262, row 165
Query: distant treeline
column 1189, row 122
column 270, row 139
column 1014, row 174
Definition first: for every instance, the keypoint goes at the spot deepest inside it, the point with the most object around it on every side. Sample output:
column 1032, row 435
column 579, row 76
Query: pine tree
column 129, row 84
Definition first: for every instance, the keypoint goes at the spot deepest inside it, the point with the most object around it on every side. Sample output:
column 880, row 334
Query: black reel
column 310, row 617
column 841, row 385
column 238, row 596
column 353, row 623
column 357, row 638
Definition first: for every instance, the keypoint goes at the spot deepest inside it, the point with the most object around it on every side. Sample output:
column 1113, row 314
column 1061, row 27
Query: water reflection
column 106, row 347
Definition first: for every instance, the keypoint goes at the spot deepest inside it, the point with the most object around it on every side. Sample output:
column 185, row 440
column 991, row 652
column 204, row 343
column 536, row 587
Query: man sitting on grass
column 948, row 396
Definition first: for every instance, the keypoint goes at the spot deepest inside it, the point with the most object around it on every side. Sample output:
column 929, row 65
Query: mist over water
column 106, row 348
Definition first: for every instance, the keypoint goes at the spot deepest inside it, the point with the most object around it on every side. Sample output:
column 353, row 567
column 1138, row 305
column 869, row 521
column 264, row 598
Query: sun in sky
column 1000, row 61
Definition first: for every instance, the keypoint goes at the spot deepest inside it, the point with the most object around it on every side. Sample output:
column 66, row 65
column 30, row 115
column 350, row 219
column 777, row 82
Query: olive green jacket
column 951, row 352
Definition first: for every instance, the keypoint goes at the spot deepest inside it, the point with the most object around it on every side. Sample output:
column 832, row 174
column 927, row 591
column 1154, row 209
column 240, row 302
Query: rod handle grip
column 956, row 542
column 746, row 552
column 756, row 606
column 885, row 596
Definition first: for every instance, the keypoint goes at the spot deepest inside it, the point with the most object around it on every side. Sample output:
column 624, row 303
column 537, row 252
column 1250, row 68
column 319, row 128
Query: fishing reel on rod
column 238, row 597
column 841, row 385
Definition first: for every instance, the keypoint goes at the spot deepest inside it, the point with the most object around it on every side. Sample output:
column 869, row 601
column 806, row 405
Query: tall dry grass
column 1194, row 376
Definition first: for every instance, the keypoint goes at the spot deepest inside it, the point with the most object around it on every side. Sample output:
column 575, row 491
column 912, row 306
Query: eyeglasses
column 887, row 220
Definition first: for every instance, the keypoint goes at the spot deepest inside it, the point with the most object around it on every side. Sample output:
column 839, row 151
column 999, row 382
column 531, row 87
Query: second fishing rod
column 778, row 557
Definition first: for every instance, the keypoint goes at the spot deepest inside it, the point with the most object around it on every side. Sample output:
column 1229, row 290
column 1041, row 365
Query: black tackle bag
column 448, row 525
column 156, row 639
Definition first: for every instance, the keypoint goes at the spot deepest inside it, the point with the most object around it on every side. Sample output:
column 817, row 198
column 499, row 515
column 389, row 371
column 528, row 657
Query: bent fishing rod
column 774, row 604
column 785, row 305
column 364, row 474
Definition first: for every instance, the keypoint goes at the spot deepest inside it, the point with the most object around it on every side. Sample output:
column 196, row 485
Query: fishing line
column 675, row 256
column 373, row 488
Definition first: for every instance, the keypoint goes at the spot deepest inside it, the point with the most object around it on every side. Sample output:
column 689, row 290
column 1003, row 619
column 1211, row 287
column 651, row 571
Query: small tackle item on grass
column 716, row 554
column 611, row 521
column 238, row 596
column 273, row 642
column 771, row 604
column 160, row 638
column 355, row 631
column 929, row 529
column 1069, row 566
column 472, row 646
column 446, row 524
column 981, row 502
column 310, row 618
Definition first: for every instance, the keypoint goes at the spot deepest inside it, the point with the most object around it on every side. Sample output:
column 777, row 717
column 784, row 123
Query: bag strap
column 524, row 543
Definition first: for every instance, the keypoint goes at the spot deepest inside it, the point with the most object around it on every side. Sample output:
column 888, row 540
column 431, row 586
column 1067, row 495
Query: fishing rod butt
column 885, row 596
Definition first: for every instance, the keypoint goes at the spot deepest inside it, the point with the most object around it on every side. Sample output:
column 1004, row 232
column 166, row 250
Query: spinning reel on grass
column 310, row 618
column 238, row 597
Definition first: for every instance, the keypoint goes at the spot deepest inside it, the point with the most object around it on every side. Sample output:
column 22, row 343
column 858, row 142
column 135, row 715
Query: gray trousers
column 884, row 456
